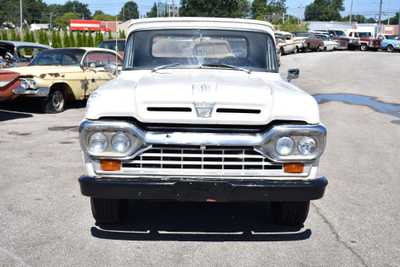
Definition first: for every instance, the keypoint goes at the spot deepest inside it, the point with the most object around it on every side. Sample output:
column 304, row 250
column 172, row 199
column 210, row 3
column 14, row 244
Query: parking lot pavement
column 45, row 221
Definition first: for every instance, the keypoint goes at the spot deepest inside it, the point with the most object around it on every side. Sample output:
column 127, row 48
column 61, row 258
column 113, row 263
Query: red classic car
column 311, row 42
column 9, row 81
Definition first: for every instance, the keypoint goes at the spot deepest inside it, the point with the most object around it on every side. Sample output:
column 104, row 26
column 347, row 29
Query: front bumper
column 39, row 92
column 218, row 190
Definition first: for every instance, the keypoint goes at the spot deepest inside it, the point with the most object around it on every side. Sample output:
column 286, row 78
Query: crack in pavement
column 337, row 236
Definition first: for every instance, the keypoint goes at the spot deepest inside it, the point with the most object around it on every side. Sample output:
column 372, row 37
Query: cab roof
column 200, row 22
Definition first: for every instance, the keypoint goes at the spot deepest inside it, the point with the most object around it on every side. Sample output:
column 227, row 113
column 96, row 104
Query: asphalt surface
column 44, row 221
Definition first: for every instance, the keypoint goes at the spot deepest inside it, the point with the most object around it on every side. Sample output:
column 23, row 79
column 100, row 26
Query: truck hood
column 183, row 96
column 43, row 70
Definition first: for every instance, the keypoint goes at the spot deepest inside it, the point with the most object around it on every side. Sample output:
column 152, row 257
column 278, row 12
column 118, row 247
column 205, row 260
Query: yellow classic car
column 57, row 76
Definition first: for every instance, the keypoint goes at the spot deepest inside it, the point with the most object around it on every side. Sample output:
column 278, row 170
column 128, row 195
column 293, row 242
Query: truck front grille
column 211, row 158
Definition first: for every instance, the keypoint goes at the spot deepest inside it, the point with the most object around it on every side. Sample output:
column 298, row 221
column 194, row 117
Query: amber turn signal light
column 293, row 167
column 109, row 165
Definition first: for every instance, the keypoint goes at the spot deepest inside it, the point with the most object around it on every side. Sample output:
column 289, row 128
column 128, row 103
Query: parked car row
column 288, row 43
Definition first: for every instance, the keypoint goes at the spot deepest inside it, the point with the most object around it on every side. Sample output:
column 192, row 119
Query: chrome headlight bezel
column 110, row 130
column 296, row 133
column 27, row 83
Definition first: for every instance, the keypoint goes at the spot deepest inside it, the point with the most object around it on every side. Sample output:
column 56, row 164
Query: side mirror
column 293, row 74
column 112, row 68
column 9, row 57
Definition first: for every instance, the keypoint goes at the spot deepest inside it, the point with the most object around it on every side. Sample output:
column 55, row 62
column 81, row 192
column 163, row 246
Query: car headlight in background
column 307, row 146
column 28, row 83
column 97, row 143
column 284, row 146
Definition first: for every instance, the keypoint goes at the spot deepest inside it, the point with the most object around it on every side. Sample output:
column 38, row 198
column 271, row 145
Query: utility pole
column 380, row 16
column 51, row 21
column 351, row 12
column 20, row 15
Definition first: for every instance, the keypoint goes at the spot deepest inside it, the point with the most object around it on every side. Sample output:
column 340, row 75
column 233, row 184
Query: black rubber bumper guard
column 231, row 190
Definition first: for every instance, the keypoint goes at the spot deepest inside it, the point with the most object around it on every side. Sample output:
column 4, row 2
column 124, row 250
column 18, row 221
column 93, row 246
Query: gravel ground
column 44, row 221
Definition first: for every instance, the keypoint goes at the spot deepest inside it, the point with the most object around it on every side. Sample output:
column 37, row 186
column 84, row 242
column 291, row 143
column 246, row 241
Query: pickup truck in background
column 367, row 41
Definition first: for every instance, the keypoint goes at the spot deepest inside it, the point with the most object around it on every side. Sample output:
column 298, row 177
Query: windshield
column 194, row 48
column 112, row 44
column 338, row 33
column 323, row 37
column 64, row 57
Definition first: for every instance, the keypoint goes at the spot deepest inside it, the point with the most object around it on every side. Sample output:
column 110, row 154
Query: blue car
column 390, row 43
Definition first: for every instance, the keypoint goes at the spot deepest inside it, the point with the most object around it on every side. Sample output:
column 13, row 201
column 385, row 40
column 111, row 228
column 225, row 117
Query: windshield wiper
column 165, row 67
column 227, row 66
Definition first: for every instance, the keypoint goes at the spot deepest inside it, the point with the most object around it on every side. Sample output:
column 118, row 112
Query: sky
column 368, row 8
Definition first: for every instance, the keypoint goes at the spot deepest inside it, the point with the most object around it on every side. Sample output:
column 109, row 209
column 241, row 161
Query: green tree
column 4, row 35
column 215, row 8
column 121, row 35
column 64, row 20
column 90, row 42
column 13, row 35
column 272, row 10
column 394, row 20
column 78, row 39
column 100, row 15
column 153, row 12
column 110, row 36
column 84, row 39
column 72, row 41
column 77, row 7
column 34, row 11
column 356, row 18
column 129, row 11
column 33, row 37
column 324, row 10
column 66, row 40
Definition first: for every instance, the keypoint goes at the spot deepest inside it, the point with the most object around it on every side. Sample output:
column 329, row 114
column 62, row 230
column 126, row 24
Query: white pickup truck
column 200, row 113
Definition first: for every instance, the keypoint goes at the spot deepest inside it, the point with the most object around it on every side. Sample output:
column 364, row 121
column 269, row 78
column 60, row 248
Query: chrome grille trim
column 212, row 162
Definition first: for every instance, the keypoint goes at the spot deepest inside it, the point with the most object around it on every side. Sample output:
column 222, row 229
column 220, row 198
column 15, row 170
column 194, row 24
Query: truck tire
column 290, row 213
column 106, row 211
column 364, row 47
column 390, row 48
column 54, row 102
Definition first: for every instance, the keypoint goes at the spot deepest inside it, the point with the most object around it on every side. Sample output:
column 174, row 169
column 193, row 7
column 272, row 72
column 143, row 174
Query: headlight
column 293, row 143
column 28, row 83
column 111, row 139
column 284, row 146
column 307, row 146
column 97, row 143
column 120, row 143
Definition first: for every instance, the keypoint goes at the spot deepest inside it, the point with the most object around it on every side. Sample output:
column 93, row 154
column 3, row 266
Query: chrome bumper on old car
column 38, row 92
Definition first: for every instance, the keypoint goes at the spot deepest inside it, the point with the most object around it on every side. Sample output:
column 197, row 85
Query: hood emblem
column 202, row 92
column 204, row 110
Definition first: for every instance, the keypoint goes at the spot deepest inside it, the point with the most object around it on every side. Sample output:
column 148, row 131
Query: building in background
column 38, row 27
column 93, row 25
column 392, row 30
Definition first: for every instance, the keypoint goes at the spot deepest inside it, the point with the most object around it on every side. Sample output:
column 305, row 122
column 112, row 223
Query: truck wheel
column 54, row 102
column 106, row 211
column 364, row 47
column 290, row 213
column 390, row 48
